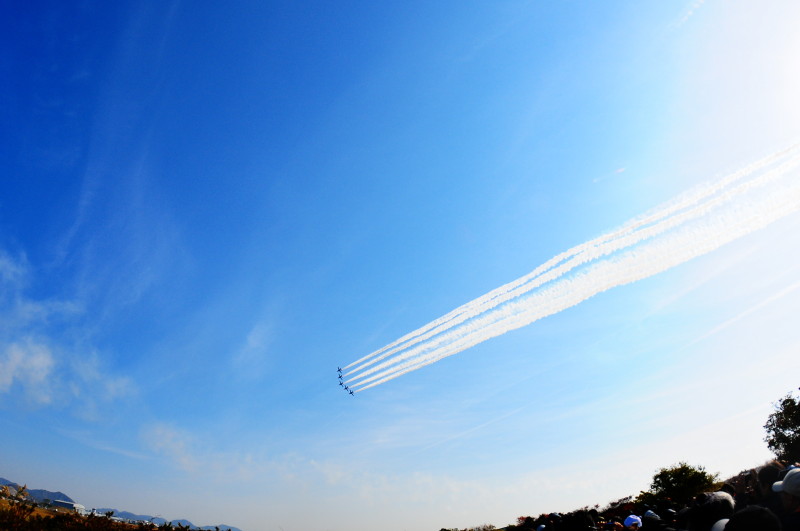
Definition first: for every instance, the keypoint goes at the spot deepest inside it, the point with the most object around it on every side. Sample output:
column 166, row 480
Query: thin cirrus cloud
column 175, row 445
column 30, row 364
column 11, row 270
column 26, row 361
column 36, row 363
column 746, row 313
column 695, row 223
column 690, row 11
column 251, row 360
column 196, row 454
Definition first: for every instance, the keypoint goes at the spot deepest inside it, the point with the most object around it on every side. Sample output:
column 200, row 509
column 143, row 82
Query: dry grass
column 37, row 511
column 24, row 517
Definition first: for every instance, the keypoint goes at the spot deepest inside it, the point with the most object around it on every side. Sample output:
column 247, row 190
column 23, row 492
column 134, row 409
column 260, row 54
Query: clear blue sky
column 205, row 209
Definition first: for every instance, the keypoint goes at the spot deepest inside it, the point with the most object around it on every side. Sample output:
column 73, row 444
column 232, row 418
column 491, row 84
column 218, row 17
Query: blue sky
column 205, row 210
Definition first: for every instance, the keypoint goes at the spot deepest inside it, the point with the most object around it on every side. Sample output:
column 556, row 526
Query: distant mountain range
column 158, row 521
column 40, row 495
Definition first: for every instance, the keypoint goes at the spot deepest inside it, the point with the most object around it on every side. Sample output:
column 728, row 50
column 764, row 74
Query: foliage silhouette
column 682, row 482
column 783, row 429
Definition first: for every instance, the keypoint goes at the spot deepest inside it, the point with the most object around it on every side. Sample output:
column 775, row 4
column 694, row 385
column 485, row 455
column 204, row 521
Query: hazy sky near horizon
column 204, row 210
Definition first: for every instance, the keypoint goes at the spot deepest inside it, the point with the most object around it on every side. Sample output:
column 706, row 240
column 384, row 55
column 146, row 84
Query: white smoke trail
column 691, row 225
column 537, row 277
column 605, row 249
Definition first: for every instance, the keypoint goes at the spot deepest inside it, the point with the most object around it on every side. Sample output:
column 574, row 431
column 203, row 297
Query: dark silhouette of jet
column 339, row 369
column 346, row 388
column 341, row 383
column 351, row 392
column 340, row 376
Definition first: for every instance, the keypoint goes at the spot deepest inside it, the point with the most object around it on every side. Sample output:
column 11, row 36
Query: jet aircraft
column 351, row 392
column 341, row 383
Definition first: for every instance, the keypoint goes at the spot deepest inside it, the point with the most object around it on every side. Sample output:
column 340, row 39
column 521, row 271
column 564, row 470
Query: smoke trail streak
column 694, row 223
column 509, row 290
column 646, row 233
column 408, row 356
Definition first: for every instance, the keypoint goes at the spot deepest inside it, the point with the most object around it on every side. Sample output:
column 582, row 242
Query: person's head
column 633, row 522
column 720, row 525
column 789, row 489
column 768, row 474
column 730, row 489
column 753, row 518
column 708, row 509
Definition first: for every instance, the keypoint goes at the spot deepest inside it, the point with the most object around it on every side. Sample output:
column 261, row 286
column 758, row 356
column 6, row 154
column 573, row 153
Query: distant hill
column 185, row 523
column 39, row 495
column 131, row 516
column 158, row 521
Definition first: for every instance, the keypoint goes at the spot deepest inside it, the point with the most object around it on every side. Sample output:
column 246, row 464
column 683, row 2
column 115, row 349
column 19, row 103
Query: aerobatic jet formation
column 341, row 382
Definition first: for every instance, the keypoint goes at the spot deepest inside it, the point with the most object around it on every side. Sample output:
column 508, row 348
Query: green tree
column 682, row 482
column 783, row 429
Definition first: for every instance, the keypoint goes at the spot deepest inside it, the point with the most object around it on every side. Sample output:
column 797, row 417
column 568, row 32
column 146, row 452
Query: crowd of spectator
column 766, row 498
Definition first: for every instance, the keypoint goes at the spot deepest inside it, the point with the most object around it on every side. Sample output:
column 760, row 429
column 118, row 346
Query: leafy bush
column 682, row 482
column 783, row 430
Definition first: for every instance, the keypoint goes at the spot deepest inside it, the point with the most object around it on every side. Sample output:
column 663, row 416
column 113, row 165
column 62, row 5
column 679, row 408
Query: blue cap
column 633, row 519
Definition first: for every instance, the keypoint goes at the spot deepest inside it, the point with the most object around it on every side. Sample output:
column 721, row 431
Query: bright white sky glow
column 207, row 209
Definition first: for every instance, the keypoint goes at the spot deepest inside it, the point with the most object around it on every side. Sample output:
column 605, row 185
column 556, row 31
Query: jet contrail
column 690, row 225
column 470, row 309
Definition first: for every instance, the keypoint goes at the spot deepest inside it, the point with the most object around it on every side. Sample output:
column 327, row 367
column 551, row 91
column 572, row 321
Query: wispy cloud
column 616, row 172
column 474, row 428
column 693, row 7
column 197, row 453
column 174, row 444
column 691, row 225
column 746, row 313
column 29, row 364
column 36, row 361
column 11, row 271
column 88, row 439
column 93, row 386
column 19, row 311
column 251, row 359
